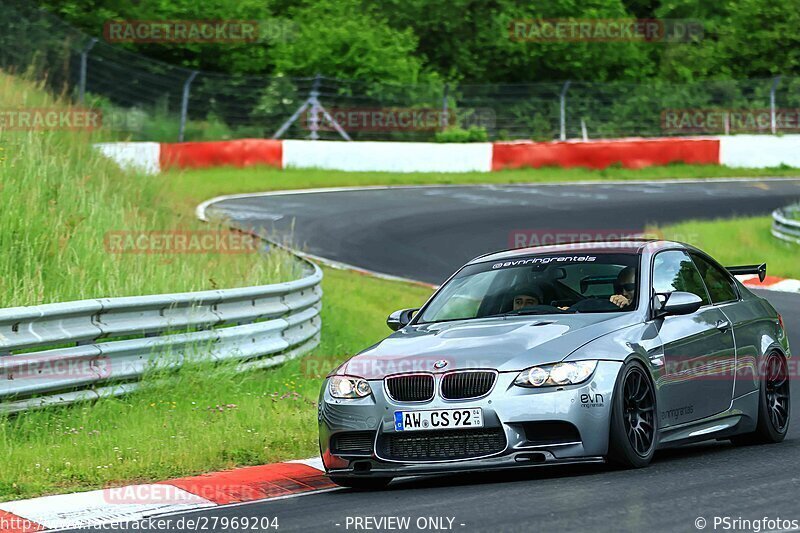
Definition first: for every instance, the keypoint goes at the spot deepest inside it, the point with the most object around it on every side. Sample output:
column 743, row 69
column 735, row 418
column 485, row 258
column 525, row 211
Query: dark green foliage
column 409, row 41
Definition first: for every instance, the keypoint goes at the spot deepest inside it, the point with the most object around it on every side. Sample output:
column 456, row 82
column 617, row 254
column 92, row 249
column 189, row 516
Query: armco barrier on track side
column 785, row 227
column 258, row 326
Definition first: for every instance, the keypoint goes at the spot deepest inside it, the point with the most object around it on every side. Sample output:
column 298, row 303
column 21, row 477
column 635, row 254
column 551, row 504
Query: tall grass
column 59, row 199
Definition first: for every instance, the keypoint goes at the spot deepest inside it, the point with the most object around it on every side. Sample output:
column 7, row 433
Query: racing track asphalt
column 427, row 233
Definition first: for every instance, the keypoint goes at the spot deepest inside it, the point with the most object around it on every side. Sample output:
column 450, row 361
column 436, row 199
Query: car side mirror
column 677, row 303
column 400, row 319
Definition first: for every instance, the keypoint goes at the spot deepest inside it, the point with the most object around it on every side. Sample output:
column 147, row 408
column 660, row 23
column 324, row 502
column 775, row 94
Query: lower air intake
column 442, row 445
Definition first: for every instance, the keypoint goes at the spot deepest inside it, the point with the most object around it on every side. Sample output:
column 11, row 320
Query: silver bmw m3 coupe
column 590, row 352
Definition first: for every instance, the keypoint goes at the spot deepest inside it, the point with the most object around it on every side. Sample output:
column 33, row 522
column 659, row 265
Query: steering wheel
column 541, row 309
column 593, row 304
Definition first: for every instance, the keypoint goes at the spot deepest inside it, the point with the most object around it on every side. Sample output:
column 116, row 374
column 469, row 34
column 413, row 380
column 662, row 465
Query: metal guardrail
column 65, row 352
column 784, row 226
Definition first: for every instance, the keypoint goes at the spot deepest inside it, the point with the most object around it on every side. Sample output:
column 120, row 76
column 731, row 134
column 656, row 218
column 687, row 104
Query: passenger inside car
column 625, row 288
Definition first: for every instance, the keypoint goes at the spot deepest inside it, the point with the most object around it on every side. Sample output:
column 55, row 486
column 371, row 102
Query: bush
column 459, row 135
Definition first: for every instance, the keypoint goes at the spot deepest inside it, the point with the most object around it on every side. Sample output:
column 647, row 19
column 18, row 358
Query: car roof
column 636, row 246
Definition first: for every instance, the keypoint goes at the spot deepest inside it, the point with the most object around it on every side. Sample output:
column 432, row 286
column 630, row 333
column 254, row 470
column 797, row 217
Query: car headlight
column 349, row 387
column 570, row 373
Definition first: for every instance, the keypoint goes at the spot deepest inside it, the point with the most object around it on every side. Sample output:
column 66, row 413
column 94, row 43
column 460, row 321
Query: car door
column 699, row 350
column 725, row 296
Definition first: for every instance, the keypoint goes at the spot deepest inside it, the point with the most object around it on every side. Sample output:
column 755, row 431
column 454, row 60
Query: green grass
column 740, row 241
column 201, row 419
column 60, row 199
column 195, row 186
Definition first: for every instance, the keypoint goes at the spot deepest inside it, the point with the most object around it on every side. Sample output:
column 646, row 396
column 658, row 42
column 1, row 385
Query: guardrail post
column 563, row 99
column 772, row 120
column 84, row 60
column 185, row 104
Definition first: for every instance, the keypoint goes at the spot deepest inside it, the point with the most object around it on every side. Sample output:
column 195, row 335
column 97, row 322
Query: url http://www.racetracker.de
column 183, row 523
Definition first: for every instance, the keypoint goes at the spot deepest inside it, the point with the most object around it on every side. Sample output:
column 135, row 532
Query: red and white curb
column 137, row 502
column 758, row 151
column 770, row 283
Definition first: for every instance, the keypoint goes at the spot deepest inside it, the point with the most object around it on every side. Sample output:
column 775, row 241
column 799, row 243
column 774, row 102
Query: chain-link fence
column 145, row 99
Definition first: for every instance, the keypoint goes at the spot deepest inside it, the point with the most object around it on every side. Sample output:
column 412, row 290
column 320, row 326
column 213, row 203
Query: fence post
column 772, row 120
column 185, row 104
column 445, row 119
column 84, row 60
column 564, row 110
column 313, row 123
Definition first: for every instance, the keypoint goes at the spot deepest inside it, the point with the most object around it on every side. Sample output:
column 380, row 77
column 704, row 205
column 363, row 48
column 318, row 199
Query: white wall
column 388, row 156
column 142, row 156
column 759, row 151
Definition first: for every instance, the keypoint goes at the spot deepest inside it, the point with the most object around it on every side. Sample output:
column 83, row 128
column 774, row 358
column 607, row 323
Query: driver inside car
column 526, row 298
column 625, row 289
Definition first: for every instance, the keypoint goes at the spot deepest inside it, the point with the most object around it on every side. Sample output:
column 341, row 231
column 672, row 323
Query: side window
column 674, row 270
column 720, row 286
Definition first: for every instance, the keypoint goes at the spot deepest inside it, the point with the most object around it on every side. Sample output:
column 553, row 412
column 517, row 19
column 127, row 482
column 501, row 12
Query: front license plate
column 438, row 419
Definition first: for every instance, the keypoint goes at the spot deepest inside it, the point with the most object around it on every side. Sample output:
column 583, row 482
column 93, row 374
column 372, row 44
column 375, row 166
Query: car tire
column 362, row 483
column 774, row 403
column 633, row 434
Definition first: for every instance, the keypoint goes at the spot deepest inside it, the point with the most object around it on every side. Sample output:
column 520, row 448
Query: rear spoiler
column 761, row 270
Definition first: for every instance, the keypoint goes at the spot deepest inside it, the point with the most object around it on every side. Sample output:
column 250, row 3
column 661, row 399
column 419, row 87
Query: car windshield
column 538, row 285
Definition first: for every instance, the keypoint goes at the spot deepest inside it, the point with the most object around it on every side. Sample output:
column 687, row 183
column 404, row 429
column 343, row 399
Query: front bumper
column 522, row 414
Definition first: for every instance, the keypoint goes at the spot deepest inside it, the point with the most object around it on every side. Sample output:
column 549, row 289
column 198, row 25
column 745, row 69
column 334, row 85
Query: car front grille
column 465, row 385
column 353, row 443
column 410, row 387
column 442, row 445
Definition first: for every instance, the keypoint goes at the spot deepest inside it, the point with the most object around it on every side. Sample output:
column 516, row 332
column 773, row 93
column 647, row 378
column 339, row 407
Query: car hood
column 505, row 344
